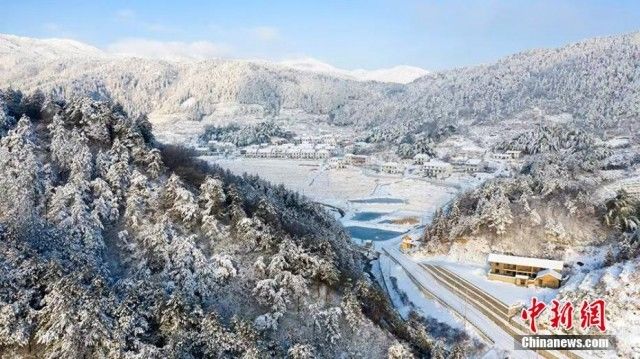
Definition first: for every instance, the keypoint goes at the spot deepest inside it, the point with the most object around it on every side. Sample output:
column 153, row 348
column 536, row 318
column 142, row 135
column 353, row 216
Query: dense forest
column 245, row 135
column 112, row 245
column 595, row 81
column 549, row 203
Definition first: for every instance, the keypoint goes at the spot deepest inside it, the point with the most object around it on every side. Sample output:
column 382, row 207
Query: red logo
column 592, row 314
column 533, row 313
column 561, row 315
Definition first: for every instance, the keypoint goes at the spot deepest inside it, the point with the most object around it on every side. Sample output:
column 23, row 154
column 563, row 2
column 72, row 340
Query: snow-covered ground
column 424, row 304
column 497, row 336
column 340, row 187
column 377, row 201
column 505, row 292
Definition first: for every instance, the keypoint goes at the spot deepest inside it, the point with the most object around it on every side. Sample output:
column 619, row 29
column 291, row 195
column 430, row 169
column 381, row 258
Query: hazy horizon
column 432, row 35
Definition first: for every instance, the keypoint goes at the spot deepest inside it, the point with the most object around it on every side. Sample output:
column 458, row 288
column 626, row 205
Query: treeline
column 245, row 135
column 549, row 203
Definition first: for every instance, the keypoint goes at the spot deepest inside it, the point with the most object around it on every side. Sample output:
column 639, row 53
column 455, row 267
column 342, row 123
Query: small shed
column 548, row 278
column 407, row 243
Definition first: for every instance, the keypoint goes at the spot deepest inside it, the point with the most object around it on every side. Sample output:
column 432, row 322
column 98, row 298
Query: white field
column 338, row 186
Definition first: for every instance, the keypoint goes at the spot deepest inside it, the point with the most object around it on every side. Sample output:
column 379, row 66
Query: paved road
column 480, row 309
column 490, row 306
column 472, row 315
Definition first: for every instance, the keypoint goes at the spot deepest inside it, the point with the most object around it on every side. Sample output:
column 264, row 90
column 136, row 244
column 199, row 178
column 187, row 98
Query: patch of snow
column 507, row 293
column 402, row 74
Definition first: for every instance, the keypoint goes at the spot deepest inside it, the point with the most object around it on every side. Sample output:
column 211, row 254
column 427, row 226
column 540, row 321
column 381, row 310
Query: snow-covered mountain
column 398, row 74
column 19, row 51
column 594, row 81
column 183, row 95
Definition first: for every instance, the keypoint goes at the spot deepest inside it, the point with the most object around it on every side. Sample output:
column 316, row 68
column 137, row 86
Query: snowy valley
column 232, row 208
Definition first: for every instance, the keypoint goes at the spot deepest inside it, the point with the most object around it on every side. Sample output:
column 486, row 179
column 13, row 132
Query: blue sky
column 348, row 34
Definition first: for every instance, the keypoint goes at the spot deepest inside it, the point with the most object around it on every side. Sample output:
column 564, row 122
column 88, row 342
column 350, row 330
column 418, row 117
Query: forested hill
column 596, row 81
column 111, row 246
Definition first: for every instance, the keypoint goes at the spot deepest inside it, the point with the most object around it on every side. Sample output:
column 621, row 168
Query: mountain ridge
column 63, row 47
column 596, row 81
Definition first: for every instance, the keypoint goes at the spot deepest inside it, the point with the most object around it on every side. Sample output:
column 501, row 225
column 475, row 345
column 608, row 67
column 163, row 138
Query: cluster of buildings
column 304, row 147
column 461, row 163
column 351, row 159
column 436, row 168
column 456, row 155
column 507, row 155
column 288, row 150
column 326, row 139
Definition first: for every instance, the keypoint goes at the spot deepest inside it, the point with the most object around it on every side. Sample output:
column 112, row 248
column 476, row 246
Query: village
column 457, row 155
column 384, row 201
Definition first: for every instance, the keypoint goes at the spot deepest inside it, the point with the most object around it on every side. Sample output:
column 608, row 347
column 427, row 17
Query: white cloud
column 168, row 50
column 265, row 33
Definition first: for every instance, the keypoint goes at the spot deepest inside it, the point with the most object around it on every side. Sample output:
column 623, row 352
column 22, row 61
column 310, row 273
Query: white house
column 473, row 165
column 329, row 140
column 437, row 169
column 294, row 152
column 322, row 154
column 337, row 162
column 501, row 156
column 264, row 152
column 508, row 155
column 356, row 160
column 461, row 164
column 514, row 154
column 420, row 158
column 308, row 153
column 391, row 167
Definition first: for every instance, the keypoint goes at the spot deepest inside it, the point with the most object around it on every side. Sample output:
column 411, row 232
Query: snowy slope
column 207, row 91
column 23, row 51
column 594, row 81
column 402, row 74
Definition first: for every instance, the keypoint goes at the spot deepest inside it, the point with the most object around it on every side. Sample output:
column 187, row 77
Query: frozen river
column 371, row 233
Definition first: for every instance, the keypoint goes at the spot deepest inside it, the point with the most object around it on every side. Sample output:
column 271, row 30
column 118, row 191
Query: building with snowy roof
column 462, row 164
column 421, row 158
column 436, row 169
column 525, row 271
column 392, row 167
column 356, row 160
